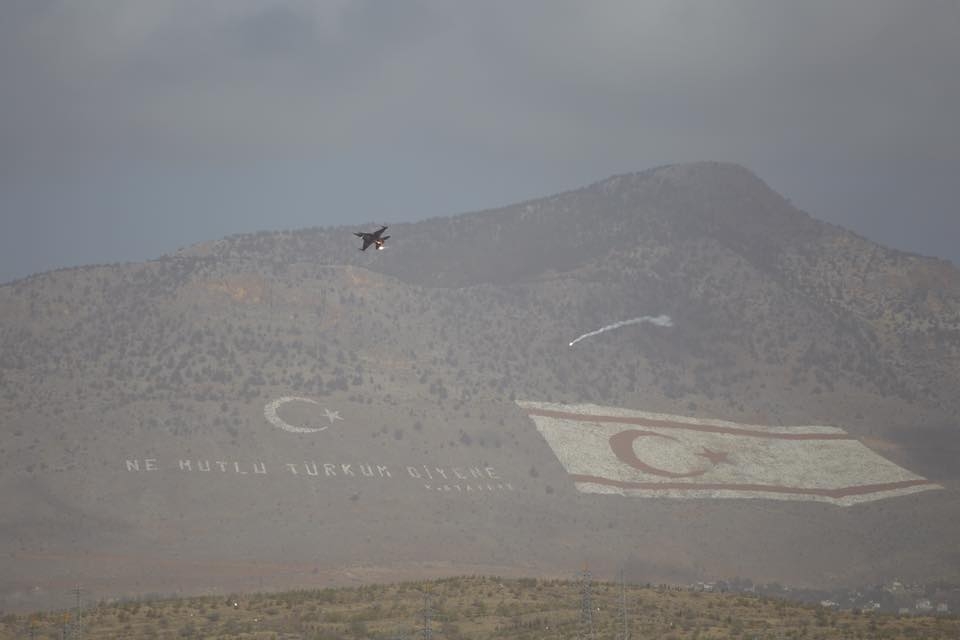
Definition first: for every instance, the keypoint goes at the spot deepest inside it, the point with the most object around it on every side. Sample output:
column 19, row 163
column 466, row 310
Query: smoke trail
column 660, row 321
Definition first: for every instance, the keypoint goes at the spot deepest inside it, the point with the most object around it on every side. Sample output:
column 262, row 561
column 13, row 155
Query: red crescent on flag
column 622, row 446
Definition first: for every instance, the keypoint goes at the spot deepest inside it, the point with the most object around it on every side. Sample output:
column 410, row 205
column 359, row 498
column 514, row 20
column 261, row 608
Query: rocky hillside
column 777, row 318
column 761, row 294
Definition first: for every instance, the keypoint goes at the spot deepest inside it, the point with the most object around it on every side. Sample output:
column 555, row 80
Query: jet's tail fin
column 384, row 238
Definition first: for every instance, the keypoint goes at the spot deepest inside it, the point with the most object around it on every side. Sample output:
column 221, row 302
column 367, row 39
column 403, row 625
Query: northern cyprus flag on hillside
column 633, row 453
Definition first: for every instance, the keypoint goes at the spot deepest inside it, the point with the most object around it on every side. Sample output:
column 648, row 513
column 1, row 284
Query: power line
column 625, row 633
column 427, row 629
column 75, row 629
column 586, row 605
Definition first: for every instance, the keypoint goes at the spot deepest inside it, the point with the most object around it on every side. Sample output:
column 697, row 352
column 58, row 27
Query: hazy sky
column 131, row 128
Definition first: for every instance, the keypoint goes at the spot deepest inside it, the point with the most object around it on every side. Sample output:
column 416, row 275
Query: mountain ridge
column 423, row 350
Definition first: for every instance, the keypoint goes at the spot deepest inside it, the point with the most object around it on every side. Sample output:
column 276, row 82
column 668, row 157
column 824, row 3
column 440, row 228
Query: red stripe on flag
column 842, row 492
column 687, row 426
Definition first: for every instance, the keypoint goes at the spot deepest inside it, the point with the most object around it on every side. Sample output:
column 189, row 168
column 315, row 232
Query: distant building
column 923, row 605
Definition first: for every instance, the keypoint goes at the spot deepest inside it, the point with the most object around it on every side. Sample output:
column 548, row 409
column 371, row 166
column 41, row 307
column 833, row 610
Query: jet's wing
column 379, row 231
column 367, row 241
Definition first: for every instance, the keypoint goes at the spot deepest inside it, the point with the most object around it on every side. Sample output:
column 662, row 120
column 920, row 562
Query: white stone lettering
column 468, row 488
column 444, row 478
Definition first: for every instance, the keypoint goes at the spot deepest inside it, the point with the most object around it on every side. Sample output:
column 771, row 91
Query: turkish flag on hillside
column 633, row 453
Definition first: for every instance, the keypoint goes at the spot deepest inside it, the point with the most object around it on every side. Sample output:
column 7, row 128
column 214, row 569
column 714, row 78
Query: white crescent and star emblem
column 272, row 416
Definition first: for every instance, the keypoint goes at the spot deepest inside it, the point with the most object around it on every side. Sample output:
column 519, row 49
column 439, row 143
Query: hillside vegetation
column 421, row 353
column 476, row 608
column 776, row 314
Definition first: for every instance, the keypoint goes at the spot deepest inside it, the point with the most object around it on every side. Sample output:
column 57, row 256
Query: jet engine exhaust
column 660, row 321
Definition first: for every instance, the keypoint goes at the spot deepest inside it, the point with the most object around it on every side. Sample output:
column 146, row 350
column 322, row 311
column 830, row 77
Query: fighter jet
column 372, row 238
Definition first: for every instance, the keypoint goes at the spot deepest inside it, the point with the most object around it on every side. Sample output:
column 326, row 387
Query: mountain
column 140, row 402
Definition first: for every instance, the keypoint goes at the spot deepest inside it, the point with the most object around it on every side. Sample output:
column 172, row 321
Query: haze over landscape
column 280, row 409
column 642, row 349
column 130, row 129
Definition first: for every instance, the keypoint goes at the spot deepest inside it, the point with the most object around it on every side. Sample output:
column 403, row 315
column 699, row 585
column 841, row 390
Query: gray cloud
column 171, row 122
